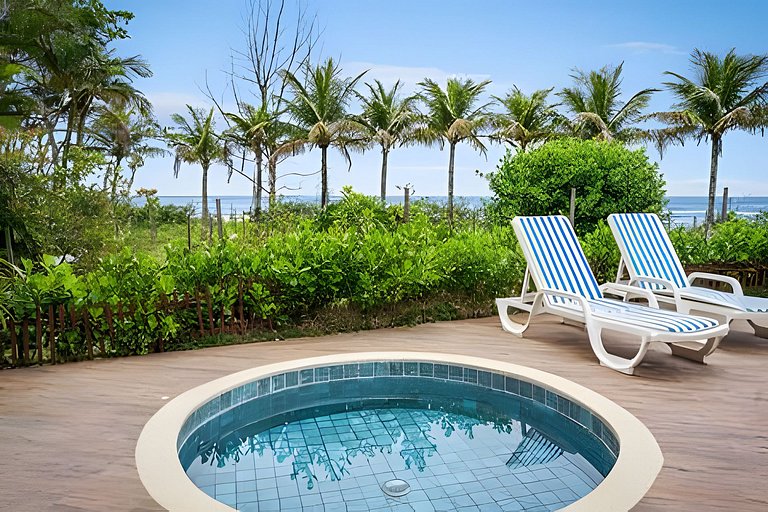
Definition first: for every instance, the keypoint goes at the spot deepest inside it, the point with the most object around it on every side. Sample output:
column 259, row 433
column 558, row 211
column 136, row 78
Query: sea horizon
column 683, row 210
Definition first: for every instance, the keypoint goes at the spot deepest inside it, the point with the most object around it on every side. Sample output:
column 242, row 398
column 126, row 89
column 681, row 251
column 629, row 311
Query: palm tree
column 195, row 141
column 124, row 134
column 388, row 120
column 266, row 135
column 727, row 93
column 452, row 117
column 527, row 120
column 319, row 109
column 598, row 113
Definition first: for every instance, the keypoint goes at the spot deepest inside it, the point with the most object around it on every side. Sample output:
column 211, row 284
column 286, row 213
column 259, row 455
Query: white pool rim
column 161, row 472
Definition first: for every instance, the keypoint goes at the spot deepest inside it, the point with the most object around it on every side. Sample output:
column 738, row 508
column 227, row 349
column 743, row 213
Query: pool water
column 487, row 450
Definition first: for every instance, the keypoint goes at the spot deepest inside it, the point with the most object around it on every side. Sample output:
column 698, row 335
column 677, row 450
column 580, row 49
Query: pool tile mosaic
column 489, row 486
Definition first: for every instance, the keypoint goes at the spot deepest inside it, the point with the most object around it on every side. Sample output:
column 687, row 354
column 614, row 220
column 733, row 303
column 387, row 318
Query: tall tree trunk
column 450, row 183
column 81, row 122
column 115, row 180
column 68, row 136
column 324, row 177
column 710, row 217
column 256, row 206
column 204, row 217
column 272, row 181
column 384, row 154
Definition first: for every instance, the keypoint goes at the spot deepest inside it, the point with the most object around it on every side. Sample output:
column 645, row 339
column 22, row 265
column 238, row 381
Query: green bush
column 608, row 178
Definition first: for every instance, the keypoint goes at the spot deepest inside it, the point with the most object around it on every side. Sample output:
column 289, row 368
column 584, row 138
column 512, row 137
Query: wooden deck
column 68, row 432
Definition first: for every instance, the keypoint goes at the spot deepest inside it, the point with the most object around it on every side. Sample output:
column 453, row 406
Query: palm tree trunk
column 710, row 217
column 324, row 177
column 450, row 183
column 272, row 181
column 256, row 207
column 204, row 218
column 384, row 154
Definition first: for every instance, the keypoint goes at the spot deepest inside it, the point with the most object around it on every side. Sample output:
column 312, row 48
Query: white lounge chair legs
column 695, row 350
column 760, row 330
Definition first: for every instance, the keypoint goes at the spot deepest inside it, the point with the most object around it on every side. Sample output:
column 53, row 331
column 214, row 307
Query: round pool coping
column 163, row 476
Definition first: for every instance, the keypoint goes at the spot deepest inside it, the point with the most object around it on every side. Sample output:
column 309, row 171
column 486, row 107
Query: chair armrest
column 668, row 285
column 735, row 285
column 631, row 290
column 582, row 301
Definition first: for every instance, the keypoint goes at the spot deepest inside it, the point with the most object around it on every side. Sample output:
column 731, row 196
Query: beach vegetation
column 608, row 178
column 726, row 93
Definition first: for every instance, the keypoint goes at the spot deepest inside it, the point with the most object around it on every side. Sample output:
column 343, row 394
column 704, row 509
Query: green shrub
column 608, row 178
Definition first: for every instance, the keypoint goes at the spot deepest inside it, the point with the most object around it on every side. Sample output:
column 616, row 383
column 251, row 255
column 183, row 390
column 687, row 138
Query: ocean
column 684, row 210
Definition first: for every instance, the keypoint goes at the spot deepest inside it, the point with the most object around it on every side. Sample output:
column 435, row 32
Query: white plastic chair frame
column 695, row 345
column 683, row 295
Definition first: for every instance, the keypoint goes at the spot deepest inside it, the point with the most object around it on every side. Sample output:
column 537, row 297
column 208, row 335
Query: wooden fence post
column 25, row 339
column 725, row 205
column 572, row 210
column 14, row 342
column 39, row 333
column 51, row 335
column 189, row 231
column 88, row 335
column 218, row 218
column 406, row 204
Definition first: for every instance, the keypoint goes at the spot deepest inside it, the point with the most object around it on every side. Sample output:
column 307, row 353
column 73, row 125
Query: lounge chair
column 649, row 257
column 567, row 288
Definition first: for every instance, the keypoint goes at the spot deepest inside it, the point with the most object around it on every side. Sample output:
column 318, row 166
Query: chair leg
column 510, row 325
column 760, row 330
column 695, row 350
column 614, row 362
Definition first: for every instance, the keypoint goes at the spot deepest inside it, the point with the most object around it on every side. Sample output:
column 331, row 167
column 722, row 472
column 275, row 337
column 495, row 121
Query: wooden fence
column 31, row 337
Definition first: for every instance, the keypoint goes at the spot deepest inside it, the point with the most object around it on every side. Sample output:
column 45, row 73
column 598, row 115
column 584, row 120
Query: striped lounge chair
column 566, row 287
column 650, row 259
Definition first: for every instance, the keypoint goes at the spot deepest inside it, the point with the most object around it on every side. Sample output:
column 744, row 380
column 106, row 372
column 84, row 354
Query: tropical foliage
column 727, row 93
column 452, row 116
column 319, row 110
column 195, row 141
column 596, row 109
column 607, row 176
column 389, row 120
column 526, row 121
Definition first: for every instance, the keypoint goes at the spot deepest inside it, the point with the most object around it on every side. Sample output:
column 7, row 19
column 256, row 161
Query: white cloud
column 408, row 76
column 167, row 103
column 647, row 47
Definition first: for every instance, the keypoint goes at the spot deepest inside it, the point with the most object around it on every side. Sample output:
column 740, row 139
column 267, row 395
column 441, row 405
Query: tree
column 609, row 178
column 124, row 134
column 319, row 109
column 389, row 120
column 598, row 113
column 276, row 42
column 453, row 116
column 527, row 120
column 265, row 134
column 195, row 141
column 727, row 93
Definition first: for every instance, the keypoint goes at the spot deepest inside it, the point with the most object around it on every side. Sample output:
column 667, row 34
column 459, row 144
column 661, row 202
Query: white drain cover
column 396, row 488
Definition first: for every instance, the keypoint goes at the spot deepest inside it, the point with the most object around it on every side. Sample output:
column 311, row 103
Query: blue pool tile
column 470, row 375
column 441, row 371
column 396, row 368
column 306, row 376
column 426, row 370
column 366, row 369
column 322, row 374
column 497, row 381
column 512, row 385
column 291, row 379
column 351, row 371
column 484, row 378
column 264, row 386
column 456, row 372
column 381, row 369
column 526, row 389
column 411, row 369
column 278, row 382
column 336, row 372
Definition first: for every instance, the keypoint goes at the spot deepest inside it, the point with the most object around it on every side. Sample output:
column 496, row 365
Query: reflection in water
column 326, row 447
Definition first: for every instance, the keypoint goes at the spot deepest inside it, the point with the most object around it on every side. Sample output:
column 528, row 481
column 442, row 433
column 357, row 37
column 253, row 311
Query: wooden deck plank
column 68, row 432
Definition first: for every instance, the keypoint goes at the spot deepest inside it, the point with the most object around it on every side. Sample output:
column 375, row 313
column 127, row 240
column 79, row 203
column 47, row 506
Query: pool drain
column 396, row 488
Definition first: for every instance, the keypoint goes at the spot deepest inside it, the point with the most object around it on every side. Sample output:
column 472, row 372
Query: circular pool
column 405, row 431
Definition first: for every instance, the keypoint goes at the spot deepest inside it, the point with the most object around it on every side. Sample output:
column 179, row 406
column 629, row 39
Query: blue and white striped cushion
column 649, row 318
column 648, row 249
column 557, row 257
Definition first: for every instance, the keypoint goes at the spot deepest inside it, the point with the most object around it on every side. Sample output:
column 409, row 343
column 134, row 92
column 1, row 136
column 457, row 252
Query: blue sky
column 529, row 44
